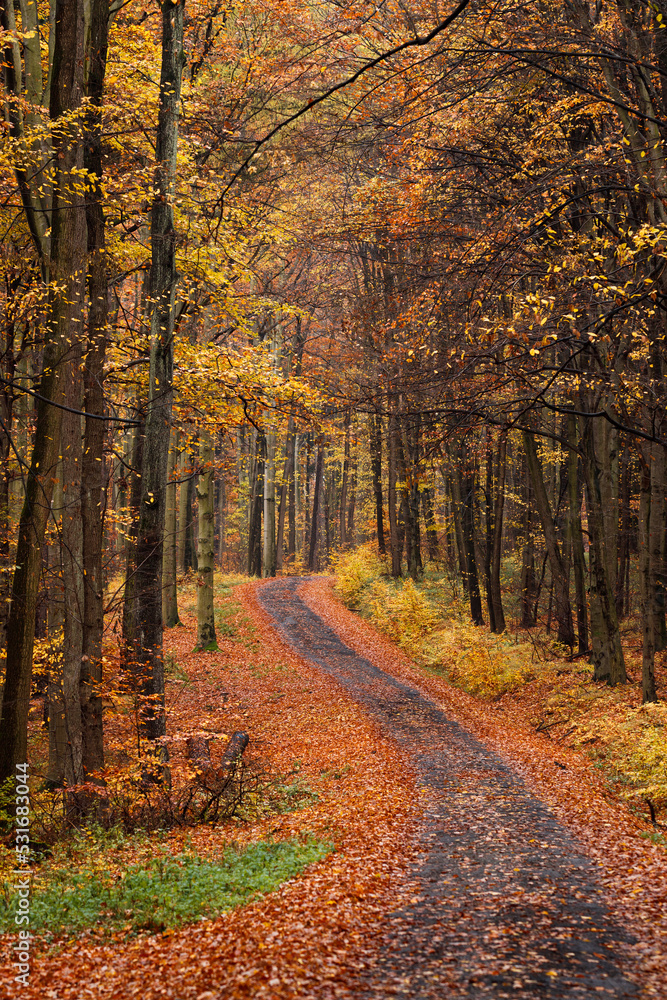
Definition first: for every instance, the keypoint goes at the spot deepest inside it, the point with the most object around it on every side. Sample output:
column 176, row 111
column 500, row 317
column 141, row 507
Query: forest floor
column 473, row 856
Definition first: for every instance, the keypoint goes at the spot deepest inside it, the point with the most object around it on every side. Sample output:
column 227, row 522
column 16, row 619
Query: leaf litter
column 326, row 933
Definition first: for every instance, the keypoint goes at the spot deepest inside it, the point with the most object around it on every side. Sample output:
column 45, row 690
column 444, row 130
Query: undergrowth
column 433, row 626
column 160, row 892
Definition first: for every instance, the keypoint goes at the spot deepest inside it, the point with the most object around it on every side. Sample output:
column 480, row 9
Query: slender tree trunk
column 129, row 625
column 148, row 588
column 607, row 655
column 291, row 500
column 72, row 570
column 256, row 506
column 342, row 510
column 468, row 529
column 412, row 487
column 561, row 585
column 577, row 539
column 307, row 527
column 93, row 484
column 488, row 548
column 169, row 575
column 429, row 519
column 269, row 541
column 206, row 637
column 64, row 323
column 624, row 534
column 395, row 542
column 462, row 484
column 376, row 465
column 350, row 534
column 319, row 475
column 497, row 537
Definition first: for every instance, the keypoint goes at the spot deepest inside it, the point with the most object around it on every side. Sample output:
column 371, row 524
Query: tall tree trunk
column 307, row 527
column 468, row 528
column 607, row 654
column 488, row 548
column 429, row 520
column 288, row 479
column 291, row 500
column 128, row 655
column 577, row 537
column 560, row 581
column 462, row 484
column 72, row 563
column 352, row 492
column 93, row 484
column 269, row 540
column 169, row 576
column 64, row 323
column 497, row 537
column 314, row 522
column 342, row 510
column 256, row 507
column 651, row 562
column 7, row 371
column 187, row 554
column 148, row 589
column 395, row 541
column 376, row 466
column 624, row 533
column 412, row 474
column 206, row 637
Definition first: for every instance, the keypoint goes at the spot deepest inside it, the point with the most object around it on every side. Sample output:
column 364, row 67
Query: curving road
column 504, row 903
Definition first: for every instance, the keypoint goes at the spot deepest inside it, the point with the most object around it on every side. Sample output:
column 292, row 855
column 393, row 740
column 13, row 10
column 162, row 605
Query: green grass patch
column 161, row 892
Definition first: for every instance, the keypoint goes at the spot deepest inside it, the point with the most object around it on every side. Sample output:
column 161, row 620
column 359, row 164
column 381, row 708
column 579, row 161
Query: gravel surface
column 502, row 901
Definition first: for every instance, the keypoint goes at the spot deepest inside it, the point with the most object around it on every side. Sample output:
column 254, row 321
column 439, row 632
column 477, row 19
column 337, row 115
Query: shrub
column 355, row 572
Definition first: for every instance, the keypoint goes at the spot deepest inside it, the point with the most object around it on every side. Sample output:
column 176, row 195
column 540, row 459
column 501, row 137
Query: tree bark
column 206, row 637
column 376, row 466
column 395, row 541
column 607, row 654
column 93, row 484
column 497, row 535
column 148, row 590
column 314, row 522
column 269, row 540
column 170, row 615
column 577, row 538
column 563, row 610
column 67, row 267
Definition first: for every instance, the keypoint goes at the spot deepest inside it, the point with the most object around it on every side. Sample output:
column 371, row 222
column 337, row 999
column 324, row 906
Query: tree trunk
column 256, row 506
column 562, row 607
column 429, row 520
column 462, row 485
column 291, row 500
column 206, row 637
column 395, row 541
column 607, row 654
column 72, row 561
column 269, row 541
column 376, row 465
column 488, row 548
column 169, row 576
column 93, row 482
column 412, row 473
column 148, row 590
column 497, row 537
column 64, row 323
column 577, row 538
column 342, row 510
column 314, row 522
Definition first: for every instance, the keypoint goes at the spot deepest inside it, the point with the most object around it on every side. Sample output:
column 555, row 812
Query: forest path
column 503, row 901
